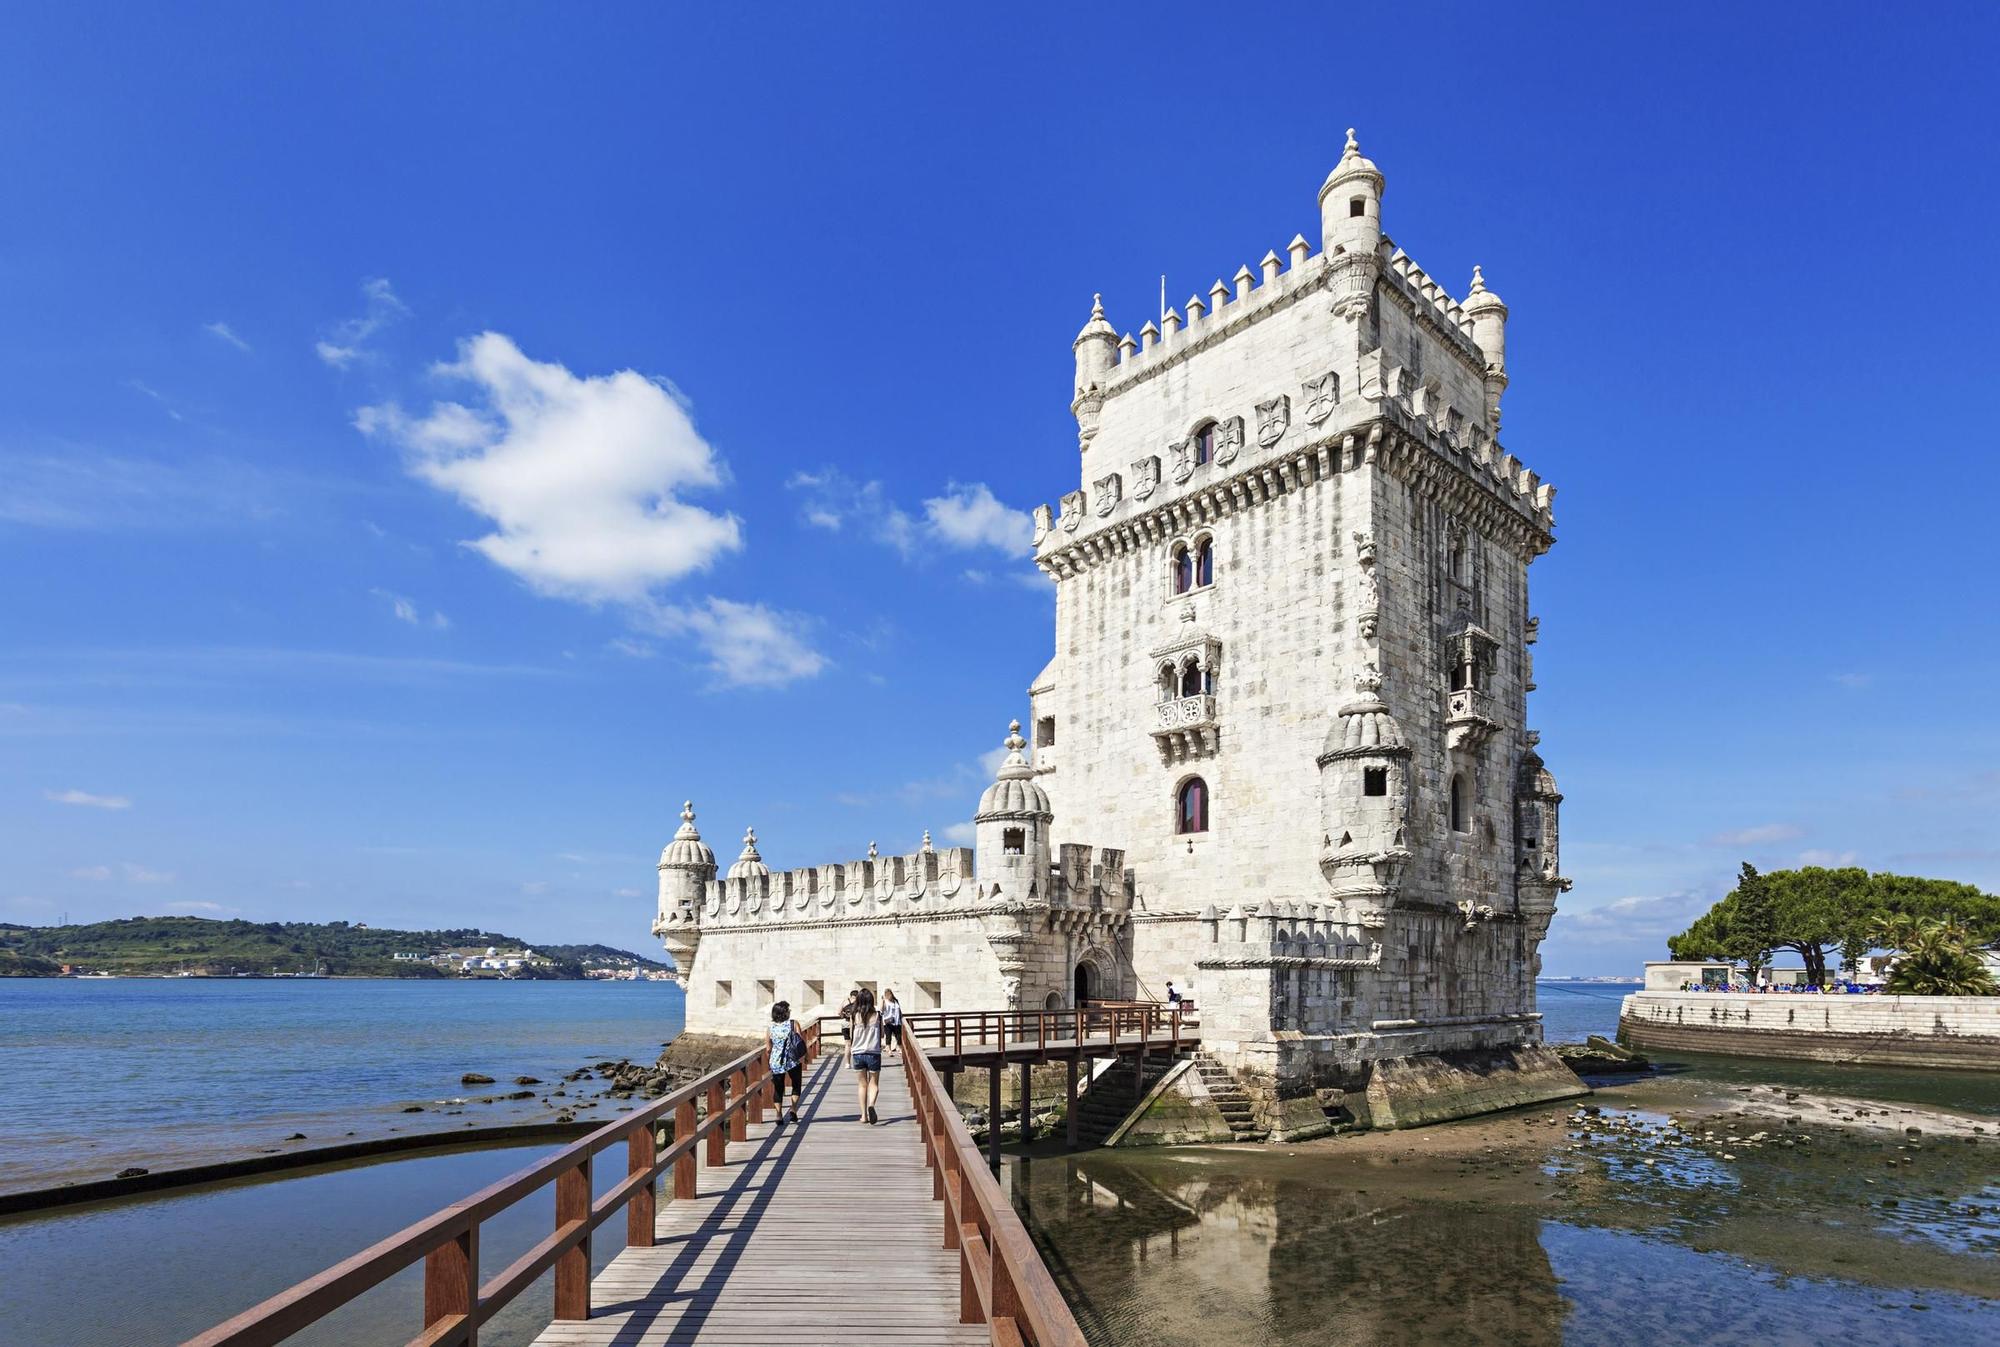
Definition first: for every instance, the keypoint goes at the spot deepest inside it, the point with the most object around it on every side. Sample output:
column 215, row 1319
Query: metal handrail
column 455, row 1302
column 1002, row 1281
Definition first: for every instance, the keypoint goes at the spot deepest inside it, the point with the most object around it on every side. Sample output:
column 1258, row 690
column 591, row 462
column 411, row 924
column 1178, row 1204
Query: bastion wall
column 1961, row 1032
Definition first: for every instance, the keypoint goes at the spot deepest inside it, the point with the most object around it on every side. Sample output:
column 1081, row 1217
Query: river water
column 101, row 1073
column 1531, row 1228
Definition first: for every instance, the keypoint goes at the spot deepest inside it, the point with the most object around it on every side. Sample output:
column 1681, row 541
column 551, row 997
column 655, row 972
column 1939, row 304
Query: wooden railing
column 1141, row 1024
column 456, row 1303
column 1002, row 1281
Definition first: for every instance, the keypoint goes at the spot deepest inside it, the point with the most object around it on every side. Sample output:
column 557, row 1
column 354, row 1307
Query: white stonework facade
column 1287, row 707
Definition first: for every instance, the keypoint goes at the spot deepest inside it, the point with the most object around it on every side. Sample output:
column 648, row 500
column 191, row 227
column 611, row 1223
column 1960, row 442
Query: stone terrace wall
column 1934, row 1031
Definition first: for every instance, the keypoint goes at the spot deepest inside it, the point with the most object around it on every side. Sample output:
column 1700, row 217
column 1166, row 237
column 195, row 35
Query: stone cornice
column 1392, row 438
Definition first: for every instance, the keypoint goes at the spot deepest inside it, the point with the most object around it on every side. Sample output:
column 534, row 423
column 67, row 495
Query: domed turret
column 687, row 850
column 1489, row 332
column 686, row 868
column 749, row 865
column 1096, row 350
column 1364, row 795
column 1350, row 203
column 1537, row 835
column 1010, row 832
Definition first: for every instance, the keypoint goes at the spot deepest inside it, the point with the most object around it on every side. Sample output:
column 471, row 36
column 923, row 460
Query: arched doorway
column 1086, row 985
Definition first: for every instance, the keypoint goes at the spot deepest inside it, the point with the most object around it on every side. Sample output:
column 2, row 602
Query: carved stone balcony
column 1468, row 719
column 1185, row 728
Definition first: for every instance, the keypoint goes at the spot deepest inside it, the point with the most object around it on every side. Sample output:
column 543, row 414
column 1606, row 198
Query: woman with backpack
column 788, row 1055
column 892, row 1021
column 864, row 1052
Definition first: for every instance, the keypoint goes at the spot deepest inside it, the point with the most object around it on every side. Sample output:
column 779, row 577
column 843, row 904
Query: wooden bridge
column 828, row 1232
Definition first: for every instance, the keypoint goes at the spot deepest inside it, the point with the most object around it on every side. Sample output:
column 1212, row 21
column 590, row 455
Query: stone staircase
column 1113, row 1094
column 1229, row 1098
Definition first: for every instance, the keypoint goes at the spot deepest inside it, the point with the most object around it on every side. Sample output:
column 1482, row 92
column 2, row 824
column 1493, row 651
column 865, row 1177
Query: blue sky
column 433, row 444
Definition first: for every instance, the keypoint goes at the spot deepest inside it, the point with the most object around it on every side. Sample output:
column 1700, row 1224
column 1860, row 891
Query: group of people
column 867, row 1031
column 1779, row 988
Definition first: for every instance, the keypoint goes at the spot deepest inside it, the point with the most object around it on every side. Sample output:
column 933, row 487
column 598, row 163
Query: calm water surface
column 104, row 1073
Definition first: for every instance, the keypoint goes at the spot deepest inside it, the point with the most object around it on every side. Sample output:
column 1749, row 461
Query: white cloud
column 1831, row 860
column 628, row 893
column 87, row 800
column 347, row 340
column 1764, row 834
column 972, row 517
column 1640, row 917
column 958, row 834
column 406, row 610
column 746, row 644
column 131, row 873
column 221, row 331
column 578, row 473
column 201, row 905
column 147, row 390
column 625, row 645
column 965, row 517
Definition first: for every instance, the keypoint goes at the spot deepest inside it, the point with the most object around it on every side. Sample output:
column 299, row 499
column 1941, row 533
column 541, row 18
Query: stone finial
column 1170, row 323
column 1244, row 280
column 1271, row 264
column 1218, row 295
column 1097, row 306
column 749, row 841
column 1126, row 346
column 1195, row 309
column 1353, row 145
column 1478, row 281
column 927, row 840
column 872, row 853
column 1149, row 335
column 1298, row 248
column 1368, row 681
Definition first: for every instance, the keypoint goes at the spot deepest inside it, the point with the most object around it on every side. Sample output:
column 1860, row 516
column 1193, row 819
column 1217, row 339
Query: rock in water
column 475, row 1078
column 1599, row 1056
column 526, row 1080
column 132, row 1172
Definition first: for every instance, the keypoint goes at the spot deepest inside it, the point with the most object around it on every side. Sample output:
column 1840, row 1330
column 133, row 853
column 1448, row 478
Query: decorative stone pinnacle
column 1097, row 306
column 1478, row 282
column 687, row 811
column 1353, row 145
column 927, row 839
column 1368, row 680
column 749, row 845
column 1014, row 741
column 872, row 853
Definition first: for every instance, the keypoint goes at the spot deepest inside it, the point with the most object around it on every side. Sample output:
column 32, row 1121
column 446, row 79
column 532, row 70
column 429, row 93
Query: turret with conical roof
column 1350, row 203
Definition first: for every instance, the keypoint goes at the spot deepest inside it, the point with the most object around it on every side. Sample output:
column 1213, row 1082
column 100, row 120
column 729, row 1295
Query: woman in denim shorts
column 864, row 1052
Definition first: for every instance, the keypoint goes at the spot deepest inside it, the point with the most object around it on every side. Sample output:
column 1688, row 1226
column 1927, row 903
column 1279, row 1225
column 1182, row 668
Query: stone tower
column 1291, row 657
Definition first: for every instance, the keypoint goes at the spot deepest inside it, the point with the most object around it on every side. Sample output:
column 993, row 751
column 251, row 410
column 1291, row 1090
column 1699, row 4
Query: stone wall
column 1960, row 1032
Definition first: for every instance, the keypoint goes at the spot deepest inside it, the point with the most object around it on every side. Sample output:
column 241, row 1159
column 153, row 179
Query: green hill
column 202, row 945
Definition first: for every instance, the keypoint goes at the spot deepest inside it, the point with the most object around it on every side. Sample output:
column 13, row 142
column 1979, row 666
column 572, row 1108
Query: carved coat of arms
column 1228, row 440
column 1145, row 476
column 1183, row 452
column 1043, row 523
column 1272, row 419
column 1109, row 489
column 1321, row 396
column 1072, row 511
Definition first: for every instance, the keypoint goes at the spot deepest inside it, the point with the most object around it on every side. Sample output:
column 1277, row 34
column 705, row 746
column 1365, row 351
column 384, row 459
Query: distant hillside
column 198, row 944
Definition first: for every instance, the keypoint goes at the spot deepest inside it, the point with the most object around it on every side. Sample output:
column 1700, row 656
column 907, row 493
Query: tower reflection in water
column 1182, row 1252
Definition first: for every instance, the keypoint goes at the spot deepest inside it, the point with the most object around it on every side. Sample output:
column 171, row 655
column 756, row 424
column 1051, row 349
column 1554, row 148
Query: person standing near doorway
column 864, row 1053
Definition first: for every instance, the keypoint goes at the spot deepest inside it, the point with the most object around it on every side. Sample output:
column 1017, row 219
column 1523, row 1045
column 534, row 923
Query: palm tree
column 1939, row 959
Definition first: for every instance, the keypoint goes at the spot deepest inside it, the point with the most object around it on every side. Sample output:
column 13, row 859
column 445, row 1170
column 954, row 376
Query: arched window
column 1183, row 568
column 1204, row 444
column 1204, row 562
column 1191, row 812
column 1460, row 804
column 1192, row 680
column 1169, row 682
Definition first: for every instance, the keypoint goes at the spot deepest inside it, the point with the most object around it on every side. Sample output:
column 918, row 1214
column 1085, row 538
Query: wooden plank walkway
column 823, row 1232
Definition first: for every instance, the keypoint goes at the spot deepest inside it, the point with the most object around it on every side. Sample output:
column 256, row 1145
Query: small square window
column 1045, row 732
column 722, row 993
column 815, row 994
column 767, row 990
column 1357, row 208
column 930, row 995
column 1375, row 781
column 1013, row 841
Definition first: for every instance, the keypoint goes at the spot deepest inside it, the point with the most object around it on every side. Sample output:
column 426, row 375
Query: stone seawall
column 1960, row 1032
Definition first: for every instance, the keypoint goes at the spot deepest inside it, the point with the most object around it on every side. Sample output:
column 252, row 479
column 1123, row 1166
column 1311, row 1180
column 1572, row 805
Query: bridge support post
column 684, row 1177
column 993, row 1112
column 1027, row 1099
column 1069, row 1105
column 739, row 1121
column 718, row 1129
column 641, row 1211
column 573, row 1264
